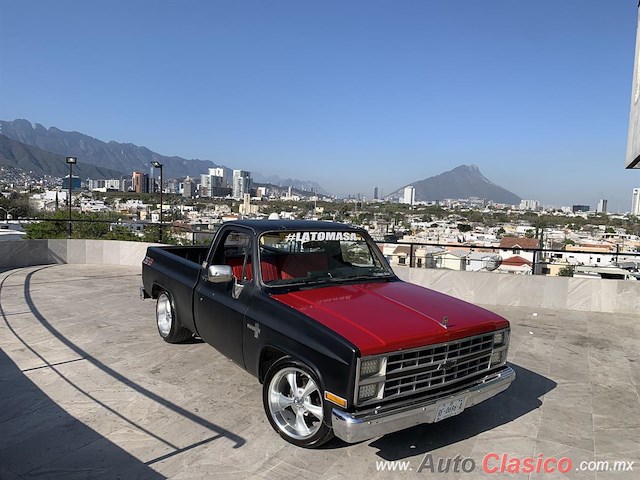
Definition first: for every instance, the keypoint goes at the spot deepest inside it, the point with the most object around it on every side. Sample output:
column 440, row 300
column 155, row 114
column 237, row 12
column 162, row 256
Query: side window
column 235, row 251
column 357, row 253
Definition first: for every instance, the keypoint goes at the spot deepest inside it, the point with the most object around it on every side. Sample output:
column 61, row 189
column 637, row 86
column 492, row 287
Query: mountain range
column 43, row 151
column 120, row 157
column 33, row 159
column 464, row 181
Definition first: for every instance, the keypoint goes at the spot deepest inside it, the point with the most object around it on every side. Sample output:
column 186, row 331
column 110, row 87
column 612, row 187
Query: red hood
column 385, row 317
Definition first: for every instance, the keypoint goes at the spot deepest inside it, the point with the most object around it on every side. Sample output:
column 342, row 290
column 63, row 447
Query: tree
column 152, row 234
column 121, row 233
column 47, row 229
column 530, row 233
column 566, row 271
column 464, row 227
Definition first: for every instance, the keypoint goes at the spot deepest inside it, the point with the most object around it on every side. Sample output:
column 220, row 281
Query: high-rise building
column 189, row 188
column 222, row 173
column 140, row 182
column 635, row 202
column 205, row 185
column 602, row 206
column 241, row 183
column 580, row 208
column 409, row 196
column 75, row 183
column 530, row 205
column 375, row 193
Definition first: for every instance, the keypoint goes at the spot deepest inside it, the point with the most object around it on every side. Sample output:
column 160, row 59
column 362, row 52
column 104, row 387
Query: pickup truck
column 340, row 344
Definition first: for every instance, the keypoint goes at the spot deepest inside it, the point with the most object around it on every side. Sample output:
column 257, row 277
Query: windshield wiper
column 369, row 276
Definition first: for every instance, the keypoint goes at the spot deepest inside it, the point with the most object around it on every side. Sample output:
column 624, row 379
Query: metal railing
column 190, row 236
column 541, row 256
column 185, row 233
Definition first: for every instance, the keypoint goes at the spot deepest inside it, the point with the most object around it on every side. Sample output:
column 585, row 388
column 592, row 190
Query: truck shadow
column 523, row 396
column 37, row 433
column 40, row 438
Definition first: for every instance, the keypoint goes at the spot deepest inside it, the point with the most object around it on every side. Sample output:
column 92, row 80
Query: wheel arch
column 270, row 355
column 156, row 289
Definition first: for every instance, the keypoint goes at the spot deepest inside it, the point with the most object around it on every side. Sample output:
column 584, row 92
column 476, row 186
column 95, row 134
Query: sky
column 352, row 94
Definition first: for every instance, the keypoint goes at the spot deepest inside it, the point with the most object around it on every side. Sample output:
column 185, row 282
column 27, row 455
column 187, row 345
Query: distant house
column 515, row 246
column 455, row 260
column 516, row 264
column 400, row 255
column 590, row 254
column 483, row 261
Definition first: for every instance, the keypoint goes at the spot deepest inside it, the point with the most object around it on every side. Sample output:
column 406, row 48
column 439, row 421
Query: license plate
column 449, row 409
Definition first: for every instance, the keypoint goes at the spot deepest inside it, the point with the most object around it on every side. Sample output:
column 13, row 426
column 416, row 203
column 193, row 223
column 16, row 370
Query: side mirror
column 219, row 274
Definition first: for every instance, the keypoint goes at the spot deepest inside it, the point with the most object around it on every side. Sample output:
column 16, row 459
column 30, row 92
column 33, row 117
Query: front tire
column 294, row 404
column 169, row 327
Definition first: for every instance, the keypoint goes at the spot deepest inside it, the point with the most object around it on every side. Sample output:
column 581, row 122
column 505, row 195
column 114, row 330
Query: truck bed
column 175, row 269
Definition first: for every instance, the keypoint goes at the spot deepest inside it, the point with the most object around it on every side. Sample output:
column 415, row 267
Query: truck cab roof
column 261, row 226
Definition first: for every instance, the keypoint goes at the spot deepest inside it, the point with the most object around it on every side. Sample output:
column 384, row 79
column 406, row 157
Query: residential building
column 409, row 196
column 516, row 264
column 635, row 202
column 140, row 181
column 530, row 205
column 515, row 246
column 451, row 260
column 189, row 188
column 241, row 183
column 602, row 206
column 205, row 185
column 593, row 254
column 219, row 186
column 483, row 261
column 220, row 173
column 104, row 185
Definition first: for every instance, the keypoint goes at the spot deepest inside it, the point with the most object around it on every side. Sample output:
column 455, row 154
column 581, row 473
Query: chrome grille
column 437, row 366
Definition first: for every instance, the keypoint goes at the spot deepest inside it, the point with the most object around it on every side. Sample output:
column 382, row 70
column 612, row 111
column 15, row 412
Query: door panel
column 219, row 309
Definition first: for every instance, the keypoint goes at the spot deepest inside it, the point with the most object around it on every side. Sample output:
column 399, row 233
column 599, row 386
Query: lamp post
column 6, row 213
column 70, row 161
column 159, row 165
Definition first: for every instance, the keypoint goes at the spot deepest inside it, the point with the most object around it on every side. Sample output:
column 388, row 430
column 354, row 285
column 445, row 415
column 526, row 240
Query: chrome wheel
column 164, row 314
column 295, row 403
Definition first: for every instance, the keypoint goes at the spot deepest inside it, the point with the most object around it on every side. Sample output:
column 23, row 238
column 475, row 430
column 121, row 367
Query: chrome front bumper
column 359, row 426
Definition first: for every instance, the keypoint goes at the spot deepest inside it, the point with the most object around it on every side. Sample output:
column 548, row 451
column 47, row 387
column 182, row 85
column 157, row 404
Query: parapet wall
column 25, row 253
column 558, row 293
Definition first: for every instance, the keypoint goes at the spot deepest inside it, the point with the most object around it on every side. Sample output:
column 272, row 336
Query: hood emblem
column 445, row 321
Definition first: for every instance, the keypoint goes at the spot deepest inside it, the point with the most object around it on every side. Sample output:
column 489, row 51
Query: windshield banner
column 322, row 236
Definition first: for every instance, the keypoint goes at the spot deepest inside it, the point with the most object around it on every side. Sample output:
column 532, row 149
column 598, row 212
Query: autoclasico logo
column 503, row 463
column 495, row 463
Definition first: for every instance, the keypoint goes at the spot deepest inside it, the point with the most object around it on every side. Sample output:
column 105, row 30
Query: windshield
column 306, row 257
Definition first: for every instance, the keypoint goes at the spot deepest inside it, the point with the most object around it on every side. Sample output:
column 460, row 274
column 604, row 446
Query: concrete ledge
column 25, row 253
column 558, row 293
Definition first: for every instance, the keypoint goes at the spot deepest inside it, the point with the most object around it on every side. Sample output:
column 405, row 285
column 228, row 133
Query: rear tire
column 294, row 404
column 168, row 325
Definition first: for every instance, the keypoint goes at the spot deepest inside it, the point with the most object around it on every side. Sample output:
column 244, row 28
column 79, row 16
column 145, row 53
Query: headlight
column 367, row 392
column 371, row 377
column 498, row 357
column 369, row 367
column 499, row 338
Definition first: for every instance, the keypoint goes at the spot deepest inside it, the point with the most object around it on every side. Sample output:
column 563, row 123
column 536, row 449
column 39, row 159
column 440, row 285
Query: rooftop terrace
column 89, row 390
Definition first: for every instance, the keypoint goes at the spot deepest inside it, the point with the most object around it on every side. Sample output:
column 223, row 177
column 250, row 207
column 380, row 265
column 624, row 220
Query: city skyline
column 350, row 95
